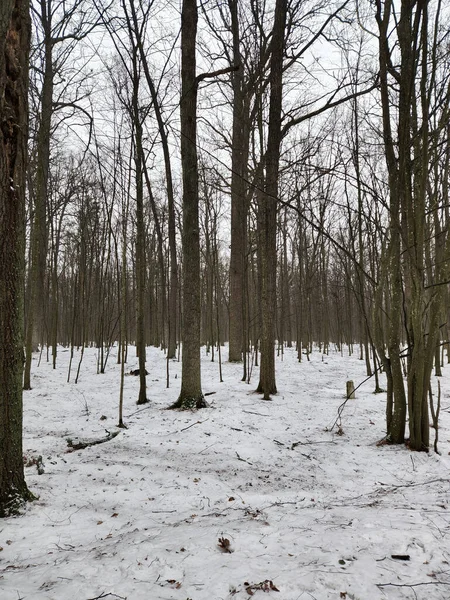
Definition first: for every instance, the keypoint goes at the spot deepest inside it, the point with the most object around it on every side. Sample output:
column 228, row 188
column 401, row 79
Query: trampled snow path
column 140, row 516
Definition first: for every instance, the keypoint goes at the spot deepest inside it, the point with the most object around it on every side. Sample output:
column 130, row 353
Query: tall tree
column 162, row 129
column 14, row 57
column 191, row 395
column 267, row 208
column 239, row 210
column 60, row 30
column 416, row 292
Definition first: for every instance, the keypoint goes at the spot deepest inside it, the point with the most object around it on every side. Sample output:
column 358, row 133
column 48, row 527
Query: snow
column 314, row 514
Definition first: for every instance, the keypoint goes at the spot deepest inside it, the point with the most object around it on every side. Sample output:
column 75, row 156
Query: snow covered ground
column 303, row 513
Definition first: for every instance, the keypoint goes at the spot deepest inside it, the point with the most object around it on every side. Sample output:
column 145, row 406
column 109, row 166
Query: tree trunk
column 14, row 52
column 173, row 285
column 140, row 237
column 191, row 395
column 268, row 209
column 39, row 224
column 239, row 206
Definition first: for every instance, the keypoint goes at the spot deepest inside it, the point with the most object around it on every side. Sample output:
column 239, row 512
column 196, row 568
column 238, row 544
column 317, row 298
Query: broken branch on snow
column 82, row 445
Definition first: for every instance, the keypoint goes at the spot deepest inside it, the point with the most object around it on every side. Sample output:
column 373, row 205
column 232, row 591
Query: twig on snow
column 192, row 425
column 138, row 411
column 295, row 444
column 415, row 484
column 243, row 459
column 103, row 595
column 207, row 448
column 412, row 585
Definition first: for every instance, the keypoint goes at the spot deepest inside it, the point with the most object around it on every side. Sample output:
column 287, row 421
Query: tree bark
column 191, row 395
column 239, row 204
column 14, row 53
column 140, row 235
column 268, row 209
column 37, row 272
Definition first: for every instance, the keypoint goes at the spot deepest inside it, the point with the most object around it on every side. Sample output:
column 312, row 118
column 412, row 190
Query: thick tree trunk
column 14, row 51
column 191, row 395
column 396, row 416
column 239, row 204
column 268, row 209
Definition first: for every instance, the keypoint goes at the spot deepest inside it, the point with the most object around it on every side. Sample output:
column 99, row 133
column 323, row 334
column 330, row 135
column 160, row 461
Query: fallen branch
column 414, row 484
column 337, row 421
column 192, row 424
column 295, row 444
column 83, row 445
column 243, row 459
column 138, row 411
column 412, row 585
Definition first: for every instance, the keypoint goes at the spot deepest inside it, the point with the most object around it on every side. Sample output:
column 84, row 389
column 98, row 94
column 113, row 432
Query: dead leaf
column 266, row 586
column 224, row 544
column 273, row 587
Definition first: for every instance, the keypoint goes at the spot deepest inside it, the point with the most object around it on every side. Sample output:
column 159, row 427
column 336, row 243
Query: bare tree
column 267, row 209
column 191, row 395
column 60, row 30
column 416, row 292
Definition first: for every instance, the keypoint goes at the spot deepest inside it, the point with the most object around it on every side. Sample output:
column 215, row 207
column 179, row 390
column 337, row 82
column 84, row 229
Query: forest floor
column 245, row 498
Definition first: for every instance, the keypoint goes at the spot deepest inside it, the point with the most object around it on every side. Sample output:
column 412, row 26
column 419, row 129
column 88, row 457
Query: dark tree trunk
column 191, row 395
column 36, row 279
column 14, row 52
column 140, row 237
column 239, row 204
column 268, row 209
